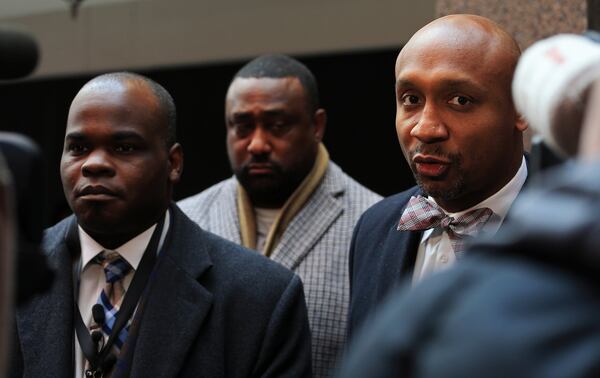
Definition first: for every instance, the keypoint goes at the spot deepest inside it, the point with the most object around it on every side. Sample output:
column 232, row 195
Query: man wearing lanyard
column 141, row 291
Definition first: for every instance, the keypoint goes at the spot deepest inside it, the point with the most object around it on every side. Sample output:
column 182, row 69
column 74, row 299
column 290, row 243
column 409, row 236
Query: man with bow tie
column 462, row 137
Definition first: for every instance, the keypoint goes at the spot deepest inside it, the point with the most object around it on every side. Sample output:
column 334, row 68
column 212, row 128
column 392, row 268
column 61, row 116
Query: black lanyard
column 102, row 360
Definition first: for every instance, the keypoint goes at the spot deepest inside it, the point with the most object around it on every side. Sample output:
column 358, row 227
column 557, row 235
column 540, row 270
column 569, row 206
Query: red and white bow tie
column 421, row 214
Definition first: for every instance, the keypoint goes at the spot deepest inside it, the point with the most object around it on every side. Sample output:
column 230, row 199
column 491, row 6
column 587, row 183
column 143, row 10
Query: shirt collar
column 132, row 251
column 500, row 202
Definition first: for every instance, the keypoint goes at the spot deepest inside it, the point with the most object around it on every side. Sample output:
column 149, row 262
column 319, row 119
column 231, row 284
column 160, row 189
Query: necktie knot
column 115, row 267
column 446, row 222
column 421, row 214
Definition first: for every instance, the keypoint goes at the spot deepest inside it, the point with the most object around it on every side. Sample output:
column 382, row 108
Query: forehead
column 451, row 54
column 118, row 104
column 265, row 93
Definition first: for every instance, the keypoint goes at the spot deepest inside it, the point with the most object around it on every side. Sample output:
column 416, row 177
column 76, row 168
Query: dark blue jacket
column 381, row 257
column 212, row 309
column 524, row 303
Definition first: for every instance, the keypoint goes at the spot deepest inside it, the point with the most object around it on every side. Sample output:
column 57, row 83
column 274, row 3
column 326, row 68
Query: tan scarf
column 291, row 207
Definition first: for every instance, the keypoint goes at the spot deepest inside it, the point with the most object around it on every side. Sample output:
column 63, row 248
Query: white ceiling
column 17, row 8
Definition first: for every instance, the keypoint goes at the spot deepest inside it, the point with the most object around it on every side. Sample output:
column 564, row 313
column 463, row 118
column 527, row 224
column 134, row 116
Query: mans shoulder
column 235, row 263
column 54, row 235
column 388, row 209
column 263, row 305
column 358, row 194
column 247, row 264
column 207, row 197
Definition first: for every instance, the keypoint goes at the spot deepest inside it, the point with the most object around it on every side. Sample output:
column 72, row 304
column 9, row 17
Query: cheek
column 482, row 149
column 236, row 149
column 145, row 181
column 403, row 129
column 69, row 174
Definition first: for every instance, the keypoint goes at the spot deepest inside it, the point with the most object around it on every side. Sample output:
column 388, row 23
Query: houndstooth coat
column 315, row 246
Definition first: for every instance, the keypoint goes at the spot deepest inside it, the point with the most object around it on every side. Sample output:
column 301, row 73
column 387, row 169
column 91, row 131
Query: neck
column 112, row 241
column 112, row 237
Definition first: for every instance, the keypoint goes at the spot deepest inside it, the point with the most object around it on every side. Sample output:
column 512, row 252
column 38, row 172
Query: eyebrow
column 118, row 136
column 462, row 84
column 403, row 83
column 75, row 135
column 121, row 135
column 267, row 113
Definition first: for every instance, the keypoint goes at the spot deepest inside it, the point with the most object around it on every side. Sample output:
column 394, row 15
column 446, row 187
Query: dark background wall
column 357, row 89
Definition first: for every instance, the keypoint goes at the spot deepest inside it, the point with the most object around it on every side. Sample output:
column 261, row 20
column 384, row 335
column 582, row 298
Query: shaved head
column 455, row 118
column 165, row 106
column 463, row 34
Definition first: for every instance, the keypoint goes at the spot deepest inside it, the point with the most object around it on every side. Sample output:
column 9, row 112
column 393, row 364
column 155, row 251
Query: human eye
column 241, row 129
column 76, row 148
column 460, row 101
column 279, row 127
column 410, row 99
column 125, row 148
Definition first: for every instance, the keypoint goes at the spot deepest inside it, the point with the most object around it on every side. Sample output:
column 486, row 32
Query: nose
column 97, row 163
column 430, row 127
column 259, row 142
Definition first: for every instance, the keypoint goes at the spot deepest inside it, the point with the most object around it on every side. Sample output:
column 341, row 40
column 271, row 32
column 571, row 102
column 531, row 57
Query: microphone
column 96, row 336
column 551, row 84
column 18, row 54
column 99, row 319
column 98, row 314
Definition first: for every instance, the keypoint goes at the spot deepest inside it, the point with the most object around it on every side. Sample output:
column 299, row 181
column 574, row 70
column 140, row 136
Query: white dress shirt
column 435, row 250
column 92, row 278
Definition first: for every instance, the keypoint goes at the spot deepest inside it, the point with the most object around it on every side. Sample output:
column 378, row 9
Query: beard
column 269, row 190
column 441, row 187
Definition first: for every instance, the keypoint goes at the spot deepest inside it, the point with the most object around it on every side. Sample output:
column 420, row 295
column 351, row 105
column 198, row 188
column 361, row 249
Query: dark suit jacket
column 211, row 309
column 524, row 303
column 381, row 257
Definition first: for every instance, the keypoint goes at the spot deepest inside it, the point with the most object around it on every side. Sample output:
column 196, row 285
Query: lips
column 260, row 168
column 96, row 192
column 431, row 166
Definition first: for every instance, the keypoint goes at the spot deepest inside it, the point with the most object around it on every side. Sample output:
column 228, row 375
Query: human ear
column 521, row 123
column 320, row 118
column 175, row 162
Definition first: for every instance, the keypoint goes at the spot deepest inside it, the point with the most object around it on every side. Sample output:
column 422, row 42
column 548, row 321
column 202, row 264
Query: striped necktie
column 115, row 269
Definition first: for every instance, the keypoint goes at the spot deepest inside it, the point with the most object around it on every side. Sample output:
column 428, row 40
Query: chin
column 97, row 218
column 97, row 225
column 442, row 189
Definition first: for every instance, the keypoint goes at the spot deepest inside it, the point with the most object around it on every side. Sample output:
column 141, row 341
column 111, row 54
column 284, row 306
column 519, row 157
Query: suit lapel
column 46, row 323
column 409, row 243
column 175, row 304
column 408, row 259
column 225, row 213
column 309, row 225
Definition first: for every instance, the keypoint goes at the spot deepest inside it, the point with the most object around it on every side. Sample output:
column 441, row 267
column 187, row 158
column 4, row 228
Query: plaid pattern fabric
column 115, row 269
column 315, row 246
column 422, row 214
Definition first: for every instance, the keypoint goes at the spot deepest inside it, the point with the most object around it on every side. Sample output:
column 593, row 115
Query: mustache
column 437, row 151
column 263, row 161
column 94, row 189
